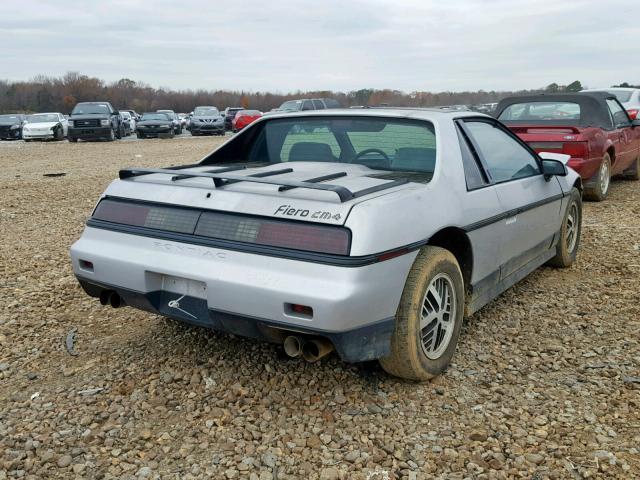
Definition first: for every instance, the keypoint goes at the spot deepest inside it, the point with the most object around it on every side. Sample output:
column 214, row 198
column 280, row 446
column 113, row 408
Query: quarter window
column 620, row 118
column 505, row 158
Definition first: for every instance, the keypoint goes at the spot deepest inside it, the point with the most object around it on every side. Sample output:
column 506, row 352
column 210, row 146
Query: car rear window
column 376, row 142
column 541, row 111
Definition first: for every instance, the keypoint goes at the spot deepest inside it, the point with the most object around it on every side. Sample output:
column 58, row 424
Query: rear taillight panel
column 575, row 149
column 227, row 226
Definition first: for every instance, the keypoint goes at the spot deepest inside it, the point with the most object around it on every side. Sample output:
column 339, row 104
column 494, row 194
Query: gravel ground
column 545, row 384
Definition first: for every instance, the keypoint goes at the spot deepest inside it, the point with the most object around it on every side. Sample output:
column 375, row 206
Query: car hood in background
column 40, row 125
column 153, row 123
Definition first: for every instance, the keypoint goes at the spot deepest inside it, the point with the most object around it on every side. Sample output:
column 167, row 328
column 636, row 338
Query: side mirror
column 553, row 167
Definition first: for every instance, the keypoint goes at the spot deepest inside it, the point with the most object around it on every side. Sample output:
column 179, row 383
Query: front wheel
column 599, row 188
column 570, row 230
column 73, row 140
column 112, row 135
column 429, row 317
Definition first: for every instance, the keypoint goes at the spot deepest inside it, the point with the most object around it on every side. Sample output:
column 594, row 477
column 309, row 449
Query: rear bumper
column 89, row 132
column 249, row 294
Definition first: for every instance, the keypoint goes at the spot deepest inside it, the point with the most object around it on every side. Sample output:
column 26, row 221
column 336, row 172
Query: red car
column 593, row 128
column 244, row 118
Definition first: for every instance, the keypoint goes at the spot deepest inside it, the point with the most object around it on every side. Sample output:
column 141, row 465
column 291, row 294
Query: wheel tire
column 407, row 358
column 73, row 140
column 120, row 132
column 570, row 231
column 59, row 135
column 633, row 172
column 599, row 189
column 193, row 134
column 139, row 135
column 112, row 136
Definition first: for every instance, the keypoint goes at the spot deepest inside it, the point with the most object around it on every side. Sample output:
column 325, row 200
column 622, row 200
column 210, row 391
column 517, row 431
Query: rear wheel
column 633, row 172
column 429, row 317
column 567, row 247
column 598, row 189
column 73, row 139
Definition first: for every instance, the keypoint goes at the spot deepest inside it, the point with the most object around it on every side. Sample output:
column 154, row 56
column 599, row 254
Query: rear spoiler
column 543, row 129
column 221, row 178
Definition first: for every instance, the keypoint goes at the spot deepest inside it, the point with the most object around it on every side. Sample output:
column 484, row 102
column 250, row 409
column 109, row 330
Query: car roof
column 396, row 112
column 611, row 89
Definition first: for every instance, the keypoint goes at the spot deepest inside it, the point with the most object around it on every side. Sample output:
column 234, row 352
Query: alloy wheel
column 605, row 178
column 437, row 316
column 573, row 220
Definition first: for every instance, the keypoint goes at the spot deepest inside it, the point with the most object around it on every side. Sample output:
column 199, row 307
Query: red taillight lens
column 575, row 149
column 227, row 226
column 304, row 237
column 633, row 113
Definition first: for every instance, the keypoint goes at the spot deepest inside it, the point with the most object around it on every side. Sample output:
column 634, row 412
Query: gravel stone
column 544, row 383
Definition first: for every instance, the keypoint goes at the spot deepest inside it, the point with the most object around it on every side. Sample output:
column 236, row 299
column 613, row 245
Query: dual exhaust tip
column 311, row 350
column 108, row 297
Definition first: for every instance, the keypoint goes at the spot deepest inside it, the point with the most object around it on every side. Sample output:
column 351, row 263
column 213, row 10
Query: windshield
column 375, row 142
column 89, row 109
column 206, row 112
column 155, row 116
column 291, row 105
column 541, row 111
column 50, row 117
column 125, row 114
column 9, row 118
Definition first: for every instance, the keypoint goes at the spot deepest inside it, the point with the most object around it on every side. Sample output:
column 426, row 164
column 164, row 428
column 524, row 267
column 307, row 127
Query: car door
column 625, row 137
column 531, row 203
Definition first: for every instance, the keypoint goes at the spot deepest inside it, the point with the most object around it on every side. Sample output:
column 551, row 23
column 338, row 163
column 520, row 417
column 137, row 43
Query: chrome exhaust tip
column 314, row 350
column 292, row 346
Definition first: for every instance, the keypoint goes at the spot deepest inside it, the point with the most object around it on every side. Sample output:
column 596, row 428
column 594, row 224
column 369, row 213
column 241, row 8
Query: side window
column 620, row 118
column 506, row 159
column 318, row 104
column 307, row 105
column 474, row 177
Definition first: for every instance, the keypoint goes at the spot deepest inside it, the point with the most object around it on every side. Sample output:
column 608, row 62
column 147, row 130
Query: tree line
column 60, row 94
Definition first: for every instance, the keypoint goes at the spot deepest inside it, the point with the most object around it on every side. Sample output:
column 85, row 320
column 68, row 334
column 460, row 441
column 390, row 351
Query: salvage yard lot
column 545, row 382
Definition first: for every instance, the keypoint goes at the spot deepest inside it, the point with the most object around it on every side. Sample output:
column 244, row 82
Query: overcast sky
column 282, row 45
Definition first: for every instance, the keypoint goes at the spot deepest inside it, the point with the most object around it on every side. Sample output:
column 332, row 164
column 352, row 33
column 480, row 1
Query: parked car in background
column 206, row 120
column 373, row 234
column 11, row 126
column 244, row 118
column 628, row 97
column 94, row 121
column 593, row 128
column 177, row 124
column 183, row 119
column 135, row 115
column 128, row 123
column 42, row 126
column 307, row 104
column 155, row 124
column 229, row 114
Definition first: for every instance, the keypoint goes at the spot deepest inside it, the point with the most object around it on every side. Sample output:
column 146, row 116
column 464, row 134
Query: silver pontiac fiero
column 371, row 232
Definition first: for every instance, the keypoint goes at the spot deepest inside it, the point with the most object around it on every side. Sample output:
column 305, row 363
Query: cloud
column 284, row 45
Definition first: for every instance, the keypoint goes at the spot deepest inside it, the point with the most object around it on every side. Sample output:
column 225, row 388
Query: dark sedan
column 11, row 126
column 154, row 124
